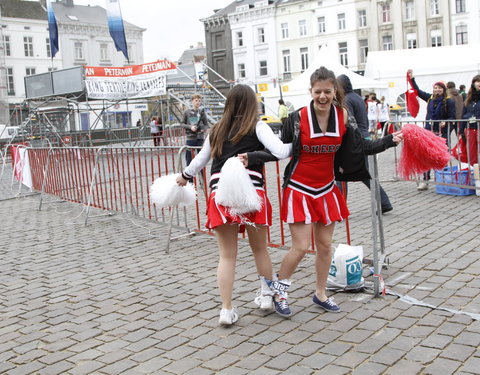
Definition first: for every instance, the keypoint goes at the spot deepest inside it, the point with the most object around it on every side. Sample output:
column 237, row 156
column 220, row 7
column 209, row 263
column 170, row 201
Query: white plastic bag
column 346, row 269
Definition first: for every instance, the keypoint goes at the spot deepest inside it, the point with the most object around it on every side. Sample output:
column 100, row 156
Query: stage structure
column 112, row 100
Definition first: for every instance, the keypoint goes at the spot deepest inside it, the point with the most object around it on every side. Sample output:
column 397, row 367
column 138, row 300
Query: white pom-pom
column 165, row 192
column 235, row 189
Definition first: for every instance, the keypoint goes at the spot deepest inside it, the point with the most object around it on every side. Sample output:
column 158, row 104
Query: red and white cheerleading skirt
column 324, row 207
column 219, row 215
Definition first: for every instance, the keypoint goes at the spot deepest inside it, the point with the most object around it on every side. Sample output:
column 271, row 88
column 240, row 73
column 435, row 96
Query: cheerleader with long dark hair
column 238, row 131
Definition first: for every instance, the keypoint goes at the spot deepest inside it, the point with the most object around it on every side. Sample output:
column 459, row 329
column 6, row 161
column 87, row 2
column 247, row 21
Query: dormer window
column 73, row 18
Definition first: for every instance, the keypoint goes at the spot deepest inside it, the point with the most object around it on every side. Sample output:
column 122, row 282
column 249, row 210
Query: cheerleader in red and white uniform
column 237, row 132
column 311, row 199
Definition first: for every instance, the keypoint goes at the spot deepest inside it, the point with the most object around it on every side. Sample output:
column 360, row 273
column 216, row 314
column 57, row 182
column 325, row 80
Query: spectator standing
column 356, row 109
column 282, row 111
column 195, row 124
column 440, row 109
column 383, row 113
column 462, row 92
column 453, row 93
column 155, row 130
column 372, row 113
column 470, row 131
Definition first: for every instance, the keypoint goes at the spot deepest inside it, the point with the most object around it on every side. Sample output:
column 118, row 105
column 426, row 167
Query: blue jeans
column 192, row 142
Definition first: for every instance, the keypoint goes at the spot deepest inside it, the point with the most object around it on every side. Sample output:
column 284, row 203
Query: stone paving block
column 61, row 367
column 306, row 348
column 253, row 362
column 450, row 329
column 437, row 341
column 388, row 356
column 356, row 336
column 325, row 336
column 28, row 368
column 209, row 352
column 317, row 361
column 221, row 362
column 457, row 352
column 233, row 370
column 422, row 354
column 152, row 366
column 370, row 368
column 119, row 367
column 468, row 338
column 442, row 366
column 114, row 356
column 350, row 359
column 266, row 337
column 332, row 369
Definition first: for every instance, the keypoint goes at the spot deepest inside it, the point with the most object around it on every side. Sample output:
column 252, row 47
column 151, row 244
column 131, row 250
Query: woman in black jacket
column 440, row 117
column 469, row 130
column 325, row 149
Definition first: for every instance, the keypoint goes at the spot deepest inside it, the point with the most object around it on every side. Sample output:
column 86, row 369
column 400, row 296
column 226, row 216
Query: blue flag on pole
column 115, row 26
column 52, row 29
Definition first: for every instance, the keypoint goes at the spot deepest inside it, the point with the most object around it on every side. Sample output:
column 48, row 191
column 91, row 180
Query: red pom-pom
column 422, row 150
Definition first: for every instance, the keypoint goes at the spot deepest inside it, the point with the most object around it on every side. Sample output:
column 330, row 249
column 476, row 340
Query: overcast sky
column 172, row 25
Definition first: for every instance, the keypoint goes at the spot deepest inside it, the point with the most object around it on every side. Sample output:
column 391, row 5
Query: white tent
column 298, row 89
column 451, row 63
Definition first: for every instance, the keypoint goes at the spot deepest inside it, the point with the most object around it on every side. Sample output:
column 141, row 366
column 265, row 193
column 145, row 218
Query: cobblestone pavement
column 106, row 299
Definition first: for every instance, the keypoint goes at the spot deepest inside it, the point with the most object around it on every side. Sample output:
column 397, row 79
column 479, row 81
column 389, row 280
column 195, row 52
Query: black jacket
column 349, row 160
column 355, row 105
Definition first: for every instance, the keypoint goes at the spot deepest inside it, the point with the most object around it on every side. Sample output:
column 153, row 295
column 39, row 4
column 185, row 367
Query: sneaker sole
column 327, row 310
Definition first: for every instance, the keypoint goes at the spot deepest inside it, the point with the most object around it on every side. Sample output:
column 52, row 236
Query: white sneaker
column 422, row 186
column 264, row 298
column 263, row 302
column 228, row 317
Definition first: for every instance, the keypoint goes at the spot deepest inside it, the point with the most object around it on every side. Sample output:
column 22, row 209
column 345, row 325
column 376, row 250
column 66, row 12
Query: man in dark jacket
column 356, row 109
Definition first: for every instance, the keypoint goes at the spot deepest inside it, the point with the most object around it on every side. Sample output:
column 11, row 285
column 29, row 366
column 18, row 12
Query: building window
column 50, row 69
column 263, row 67
column 286, row 61
column 261, row 35
column 343, row 53
column 241, row 70
column 387, row 42
column 304, row 58
column 362, row 18
column 409, row 10
column 436, row 36
column 460, row 6
column 218, row 41
column 30, row 71
column 321, row 25
column 411, row 40
column 78, row 47
column 434, row 8
column 104, row 52
column 284, row 27
column 462, row 34
column 386, row 13
column 302, row 27
column 47, row 45
column 28, row 46
column 6, row 44
column 10, row 82
column 239, row 39
column 341, row 21
column 363, row 50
